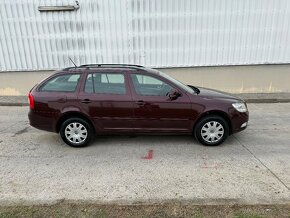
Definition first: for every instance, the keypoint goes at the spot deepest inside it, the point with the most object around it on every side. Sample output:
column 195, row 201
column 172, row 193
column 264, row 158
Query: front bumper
column 239, row 121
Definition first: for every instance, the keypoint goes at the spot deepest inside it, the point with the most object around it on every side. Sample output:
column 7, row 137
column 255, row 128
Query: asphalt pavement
column 251, row 167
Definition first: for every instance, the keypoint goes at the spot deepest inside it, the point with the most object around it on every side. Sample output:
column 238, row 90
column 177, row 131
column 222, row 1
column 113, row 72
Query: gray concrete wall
column 237, row 79
column 234, row 79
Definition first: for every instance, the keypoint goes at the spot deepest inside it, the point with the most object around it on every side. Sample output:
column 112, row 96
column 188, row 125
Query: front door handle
column 86, row 101
column 141, row 103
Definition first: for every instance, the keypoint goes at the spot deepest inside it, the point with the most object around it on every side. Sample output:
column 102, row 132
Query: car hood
column 214, row 94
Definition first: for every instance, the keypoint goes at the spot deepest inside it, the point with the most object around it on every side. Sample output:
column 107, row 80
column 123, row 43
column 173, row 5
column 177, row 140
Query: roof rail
column 108, row 65
column 88, row 66
column 102, row 65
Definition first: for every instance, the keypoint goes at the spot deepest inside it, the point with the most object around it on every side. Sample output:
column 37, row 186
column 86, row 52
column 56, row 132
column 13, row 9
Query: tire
column 211, row 130
column 76, row 132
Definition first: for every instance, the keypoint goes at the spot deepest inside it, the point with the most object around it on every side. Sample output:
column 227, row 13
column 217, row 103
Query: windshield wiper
column 195, row 89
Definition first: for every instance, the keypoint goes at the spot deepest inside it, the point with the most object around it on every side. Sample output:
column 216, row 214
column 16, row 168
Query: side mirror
column 173, row 94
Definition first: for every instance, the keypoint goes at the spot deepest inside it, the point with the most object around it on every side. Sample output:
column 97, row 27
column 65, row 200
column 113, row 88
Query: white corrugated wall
column 155, row 33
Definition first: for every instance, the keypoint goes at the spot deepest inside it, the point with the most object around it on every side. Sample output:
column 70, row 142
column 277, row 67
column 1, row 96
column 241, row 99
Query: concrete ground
column 251, row 167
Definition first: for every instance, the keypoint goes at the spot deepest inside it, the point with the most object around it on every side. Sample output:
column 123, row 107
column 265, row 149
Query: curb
column 13, row 104
column 257, row 101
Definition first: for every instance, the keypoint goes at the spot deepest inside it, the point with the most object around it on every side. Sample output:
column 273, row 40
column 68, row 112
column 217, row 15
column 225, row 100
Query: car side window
column 105, row 83
column 61, row 83
column 89, row 84
column 148, row 85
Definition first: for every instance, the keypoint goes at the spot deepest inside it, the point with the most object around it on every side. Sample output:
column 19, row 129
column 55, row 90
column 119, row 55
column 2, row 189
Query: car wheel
column 211, row 130
column 76, row 132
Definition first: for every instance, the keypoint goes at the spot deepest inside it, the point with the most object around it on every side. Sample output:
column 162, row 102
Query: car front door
column 154, row 110
column 106, row 98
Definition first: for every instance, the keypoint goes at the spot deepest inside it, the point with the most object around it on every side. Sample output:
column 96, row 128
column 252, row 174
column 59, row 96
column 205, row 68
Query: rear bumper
column 42, row 121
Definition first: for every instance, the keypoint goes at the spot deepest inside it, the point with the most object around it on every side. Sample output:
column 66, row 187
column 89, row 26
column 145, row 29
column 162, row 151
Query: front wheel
column 76, row 132
column 211, row 130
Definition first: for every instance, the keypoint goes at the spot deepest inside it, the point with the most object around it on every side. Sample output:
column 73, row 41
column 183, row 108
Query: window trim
column 40, row 87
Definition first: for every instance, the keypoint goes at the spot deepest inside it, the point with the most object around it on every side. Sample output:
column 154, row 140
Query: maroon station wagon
column 80, row 102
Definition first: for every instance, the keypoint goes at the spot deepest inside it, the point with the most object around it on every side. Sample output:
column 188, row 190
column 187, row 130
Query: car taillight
column 31, row 101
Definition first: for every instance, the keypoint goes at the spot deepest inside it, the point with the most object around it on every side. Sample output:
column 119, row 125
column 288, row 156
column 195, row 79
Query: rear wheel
column 211, row 130
column 76, row 132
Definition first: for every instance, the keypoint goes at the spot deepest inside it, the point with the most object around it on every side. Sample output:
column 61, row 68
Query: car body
column 131, row 99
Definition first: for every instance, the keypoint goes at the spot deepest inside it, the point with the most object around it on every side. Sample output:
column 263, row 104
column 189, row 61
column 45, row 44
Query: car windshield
column 178, row 83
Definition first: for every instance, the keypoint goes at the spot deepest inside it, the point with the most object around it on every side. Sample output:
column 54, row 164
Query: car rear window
column 61, row 83
column 105, row 83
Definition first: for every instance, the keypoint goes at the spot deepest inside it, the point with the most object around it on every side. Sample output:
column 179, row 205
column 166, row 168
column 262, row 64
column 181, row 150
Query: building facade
column 154, row 33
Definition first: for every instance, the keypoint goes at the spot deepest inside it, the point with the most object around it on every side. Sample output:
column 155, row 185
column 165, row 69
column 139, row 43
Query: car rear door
column 106, row 98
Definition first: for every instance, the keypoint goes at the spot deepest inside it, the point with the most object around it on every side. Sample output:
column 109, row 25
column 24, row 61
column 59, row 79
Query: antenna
column 72, row 62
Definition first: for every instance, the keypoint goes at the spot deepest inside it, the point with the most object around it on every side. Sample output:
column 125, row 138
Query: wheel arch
column 72, row 114
column 217, row 113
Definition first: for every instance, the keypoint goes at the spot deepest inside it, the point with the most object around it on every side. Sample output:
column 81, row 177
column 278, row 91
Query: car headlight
column 240, row 106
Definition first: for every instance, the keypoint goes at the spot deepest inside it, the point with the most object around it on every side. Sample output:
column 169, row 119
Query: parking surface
column 250, row 167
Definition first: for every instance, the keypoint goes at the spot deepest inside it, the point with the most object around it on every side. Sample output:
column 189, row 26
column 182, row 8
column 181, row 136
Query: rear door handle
column 86, row 101
column 140, row 103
